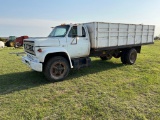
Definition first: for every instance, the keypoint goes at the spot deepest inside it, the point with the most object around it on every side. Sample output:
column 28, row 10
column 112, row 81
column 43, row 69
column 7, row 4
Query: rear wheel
column 123, row 57
column 11, row 44
column 56, row 69
column 129, row 56
column 7, row 44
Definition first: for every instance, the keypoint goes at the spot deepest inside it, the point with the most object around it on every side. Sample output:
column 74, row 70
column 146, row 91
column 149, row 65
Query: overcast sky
column 36, row 17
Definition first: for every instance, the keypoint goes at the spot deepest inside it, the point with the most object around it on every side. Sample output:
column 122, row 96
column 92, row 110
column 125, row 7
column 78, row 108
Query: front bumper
column 32, row 64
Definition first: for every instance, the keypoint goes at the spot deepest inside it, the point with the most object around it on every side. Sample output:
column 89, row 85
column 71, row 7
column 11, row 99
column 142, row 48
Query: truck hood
column 44, row 42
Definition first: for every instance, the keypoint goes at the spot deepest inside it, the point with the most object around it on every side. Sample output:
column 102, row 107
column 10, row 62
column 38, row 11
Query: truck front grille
column 29, row 47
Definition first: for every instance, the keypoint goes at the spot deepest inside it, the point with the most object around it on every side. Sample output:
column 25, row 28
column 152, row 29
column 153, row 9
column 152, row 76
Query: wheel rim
column 133, row 56
column 58, row 69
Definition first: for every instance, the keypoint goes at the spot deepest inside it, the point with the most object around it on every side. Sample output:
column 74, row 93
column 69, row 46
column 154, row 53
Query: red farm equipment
column 19, row 41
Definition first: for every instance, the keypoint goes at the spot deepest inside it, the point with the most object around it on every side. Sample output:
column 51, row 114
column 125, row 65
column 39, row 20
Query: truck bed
column 104, row 35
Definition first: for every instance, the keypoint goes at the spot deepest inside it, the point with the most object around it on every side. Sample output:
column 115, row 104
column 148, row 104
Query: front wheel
column 56, row 69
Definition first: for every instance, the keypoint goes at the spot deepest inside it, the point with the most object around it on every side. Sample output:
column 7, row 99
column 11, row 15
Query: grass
column 106, row 90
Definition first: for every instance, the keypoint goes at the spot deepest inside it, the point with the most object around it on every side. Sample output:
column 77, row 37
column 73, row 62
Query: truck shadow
column 19, row 81
column 96, row 66
column 13, row 82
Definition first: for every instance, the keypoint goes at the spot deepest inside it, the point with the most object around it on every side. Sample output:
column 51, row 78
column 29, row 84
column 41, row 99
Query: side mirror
column 79, row 30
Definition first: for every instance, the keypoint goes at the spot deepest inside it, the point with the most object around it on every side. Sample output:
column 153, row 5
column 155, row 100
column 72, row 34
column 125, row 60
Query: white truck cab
column 70, row 46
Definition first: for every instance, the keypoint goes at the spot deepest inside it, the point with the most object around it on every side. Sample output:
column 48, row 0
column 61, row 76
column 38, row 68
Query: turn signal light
column 39, row 50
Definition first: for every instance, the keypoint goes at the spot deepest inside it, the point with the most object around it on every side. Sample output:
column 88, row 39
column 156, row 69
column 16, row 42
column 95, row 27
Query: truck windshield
column 59, row 31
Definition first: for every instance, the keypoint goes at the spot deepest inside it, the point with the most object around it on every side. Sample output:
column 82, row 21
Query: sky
column 36, row 17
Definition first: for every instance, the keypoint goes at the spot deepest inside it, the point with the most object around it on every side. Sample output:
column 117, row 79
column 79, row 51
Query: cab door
column 78, row 46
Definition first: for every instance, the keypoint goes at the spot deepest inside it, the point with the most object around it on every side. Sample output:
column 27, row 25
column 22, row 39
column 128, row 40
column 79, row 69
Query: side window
column 73, row 32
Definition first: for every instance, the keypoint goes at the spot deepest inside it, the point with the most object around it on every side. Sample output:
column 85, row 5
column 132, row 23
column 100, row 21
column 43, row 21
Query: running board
column 81, row 62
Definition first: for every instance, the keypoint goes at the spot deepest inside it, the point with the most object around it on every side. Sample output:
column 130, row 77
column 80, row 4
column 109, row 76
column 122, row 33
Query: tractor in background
column 10, row 41
column 15, row 42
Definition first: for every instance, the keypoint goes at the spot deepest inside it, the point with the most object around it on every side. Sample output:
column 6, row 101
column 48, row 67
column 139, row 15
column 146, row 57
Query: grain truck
column 71, row 46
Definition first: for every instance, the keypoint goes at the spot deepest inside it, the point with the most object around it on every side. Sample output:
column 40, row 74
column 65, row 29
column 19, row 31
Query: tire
column 105, row 57
column 131, row 56
column 56, row 69
column 123, row 57
column 10, row 44
column 7, row 44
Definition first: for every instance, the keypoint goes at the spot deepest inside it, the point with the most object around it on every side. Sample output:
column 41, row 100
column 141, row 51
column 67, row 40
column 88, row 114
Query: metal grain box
column 117, row 34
